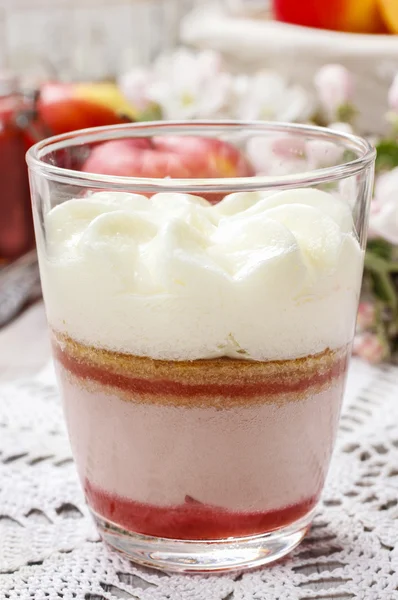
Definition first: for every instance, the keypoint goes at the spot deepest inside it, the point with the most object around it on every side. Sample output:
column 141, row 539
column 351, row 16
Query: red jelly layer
column 271, row 384
column 191, row 520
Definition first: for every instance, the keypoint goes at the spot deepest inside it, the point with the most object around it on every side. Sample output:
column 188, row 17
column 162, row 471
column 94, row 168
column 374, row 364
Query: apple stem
column 28, row 119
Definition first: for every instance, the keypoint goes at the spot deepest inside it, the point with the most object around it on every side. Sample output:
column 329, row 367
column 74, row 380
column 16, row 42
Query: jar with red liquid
column 16, row 227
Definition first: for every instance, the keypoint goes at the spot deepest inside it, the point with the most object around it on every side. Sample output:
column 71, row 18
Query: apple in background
column 389, row 11
column 168, row 156
column 359, row 16
column 64, row 107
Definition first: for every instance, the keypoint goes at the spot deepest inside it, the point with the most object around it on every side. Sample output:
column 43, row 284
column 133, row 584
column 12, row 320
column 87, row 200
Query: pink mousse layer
column 243, row 457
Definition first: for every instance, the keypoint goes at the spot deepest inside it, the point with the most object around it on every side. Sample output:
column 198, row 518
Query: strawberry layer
column 190, row 520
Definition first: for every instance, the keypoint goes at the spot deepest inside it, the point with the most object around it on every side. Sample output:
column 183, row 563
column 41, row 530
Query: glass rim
column 35, row 155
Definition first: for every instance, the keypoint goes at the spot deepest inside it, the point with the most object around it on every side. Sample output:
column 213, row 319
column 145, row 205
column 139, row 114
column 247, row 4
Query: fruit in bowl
column 357, row 16
column 389, row 11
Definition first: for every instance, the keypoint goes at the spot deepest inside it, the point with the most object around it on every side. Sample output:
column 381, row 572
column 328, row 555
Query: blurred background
column 85, row 39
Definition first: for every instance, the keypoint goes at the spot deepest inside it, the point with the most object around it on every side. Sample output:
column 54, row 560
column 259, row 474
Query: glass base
column 204, row 555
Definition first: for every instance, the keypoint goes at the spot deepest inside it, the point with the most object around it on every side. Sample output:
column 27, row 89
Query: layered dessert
column 201, row 351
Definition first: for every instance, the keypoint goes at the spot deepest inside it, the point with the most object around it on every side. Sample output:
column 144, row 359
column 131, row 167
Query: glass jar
column 16, row 227
column 202, row 310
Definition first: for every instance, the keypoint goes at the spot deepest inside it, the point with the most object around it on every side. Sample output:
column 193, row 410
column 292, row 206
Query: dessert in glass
column 201, row 317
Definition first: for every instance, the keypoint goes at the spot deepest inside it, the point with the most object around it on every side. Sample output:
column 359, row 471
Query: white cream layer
column 261, row 276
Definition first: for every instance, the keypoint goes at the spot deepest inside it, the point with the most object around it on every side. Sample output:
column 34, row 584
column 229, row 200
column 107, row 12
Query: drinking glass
column 201, row 322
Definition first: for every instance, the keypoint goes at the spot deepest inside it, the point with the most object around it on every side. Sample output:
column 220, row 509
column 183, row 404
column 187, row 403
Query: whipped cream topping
column 258, row 276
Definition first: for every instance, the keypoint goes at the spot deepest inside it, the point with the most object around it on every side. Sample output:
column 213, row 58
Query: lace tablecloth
column 49, row 548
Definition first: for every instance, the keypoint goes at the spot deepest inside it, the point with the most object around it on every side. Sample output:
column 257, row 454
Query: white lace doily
column 49, row 548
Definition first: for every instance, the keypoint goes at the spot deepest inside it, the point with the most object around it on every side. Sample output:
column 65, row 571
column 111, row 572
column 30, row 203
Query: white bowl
column 298, row 52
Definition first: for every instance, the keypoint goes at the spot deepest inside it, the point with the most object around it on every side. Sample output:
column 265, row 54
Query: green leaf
column 383, row 283
column 384, row 289
column 387, row 155
column 380, row 248
column 375, row 263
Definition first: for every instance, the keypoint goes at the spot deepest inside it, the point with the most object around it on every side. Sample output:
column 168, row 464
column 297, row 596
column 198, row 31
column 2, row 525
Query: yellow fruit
column 107, row 95
column 389, row 11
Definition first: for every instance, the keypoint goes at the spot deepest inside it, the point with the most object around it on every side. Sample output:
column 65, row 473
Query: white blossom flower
column 384, row 210
column 268, row 96
column 276, row 155
column 189, row 85
column 324, row 153
column 135, row 85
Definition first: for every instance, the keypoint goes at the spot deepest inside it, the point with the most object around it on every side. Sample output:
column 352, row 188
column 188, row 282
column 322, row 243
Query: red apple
column 168, row 156
column 206, row 157
column 360, row 16
column 64, row 107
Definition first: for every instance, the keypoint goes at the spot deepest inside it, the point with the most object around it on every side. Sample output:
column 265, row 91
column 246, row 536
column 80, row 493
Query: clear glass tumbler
column 201, row 283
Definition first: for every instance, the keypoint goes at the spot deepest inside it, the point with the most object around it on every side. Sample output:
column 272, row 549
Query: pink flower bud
column 366, row 316
column 369, row 347
column 335, row 87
